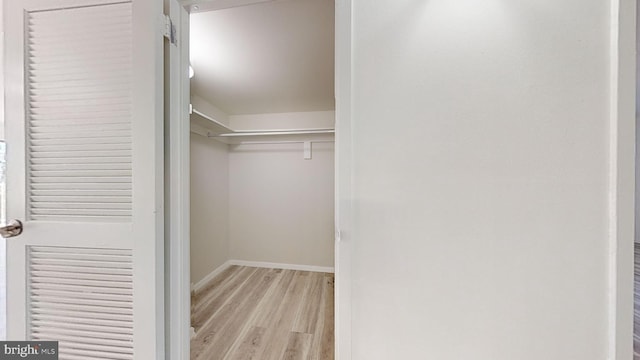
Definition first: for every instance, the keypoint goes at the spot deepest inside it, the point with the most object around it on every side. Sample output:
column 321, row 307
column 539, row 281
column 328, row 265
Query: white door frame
column 177, row 194
column 621, row 178
column 178, row 241
column 343, row 175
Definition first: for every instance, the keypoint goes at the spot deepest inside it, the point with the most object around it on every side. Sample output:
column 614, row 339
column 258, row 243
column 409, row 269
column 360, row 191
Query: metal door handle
column 14, row 228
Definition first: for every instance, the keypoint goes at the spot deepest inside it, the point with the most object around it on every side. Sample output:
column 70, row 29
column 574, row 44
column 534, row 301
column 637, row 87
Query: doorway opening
column 262, row 180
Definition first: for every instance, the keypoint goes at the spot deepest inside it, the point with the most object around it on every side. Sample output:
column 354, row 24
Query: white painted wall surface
column 209, row 206
column 480, row 139
column 281, row 206
column 290, row 120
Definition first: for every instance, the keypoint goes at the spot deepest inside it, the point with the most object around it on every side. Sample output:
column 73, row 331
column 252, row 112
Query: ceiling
column 270, row 57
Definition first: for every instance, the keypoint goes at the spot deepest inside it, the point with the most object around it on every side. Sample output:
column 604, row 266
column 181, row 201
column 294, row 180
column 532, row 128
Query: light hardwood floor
column 636, row 305
column 265, row 314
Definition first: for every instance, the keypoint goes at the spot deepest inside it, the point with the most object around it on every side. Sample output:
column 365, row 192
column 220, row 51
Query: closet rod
column 281, row 142
column 277, row 132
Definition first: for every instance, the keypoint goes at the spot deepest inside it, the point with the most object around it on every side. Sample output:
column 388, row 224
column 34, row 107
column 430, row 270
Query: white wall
column 480, row 141
column 291, row 120
column 281, row 205
column 262, row 203
column 209, row 206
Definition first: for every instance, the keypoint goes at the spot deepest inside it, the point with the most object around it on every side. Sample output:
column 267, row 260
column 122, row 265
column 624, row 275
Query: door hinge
column 169, row 30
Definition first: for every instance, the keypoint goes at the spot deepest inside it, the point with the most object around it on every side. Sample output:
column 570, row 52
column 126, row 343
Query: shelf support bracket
column 307, row 150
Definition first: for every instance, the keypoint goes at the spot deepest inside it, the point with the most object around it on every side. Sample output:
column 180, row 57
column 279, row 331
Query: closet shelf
column 211, row 128
column 208, row 123
column 275, row 132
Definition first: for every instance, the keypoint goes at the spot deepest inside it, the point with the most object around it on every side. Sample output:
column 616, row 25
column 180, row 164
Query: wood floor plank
column 277, row 337
column 310, row 311
column 327, row 342
column 220, row 283
column 200, row 297
column 216, row 282
column 316, row 343
column 271, row 308
column 260, row 314
column 228, row 335
column 249, row 345
column 297, row 346
column 213, row 326
column 212, row 303
column 636, row 303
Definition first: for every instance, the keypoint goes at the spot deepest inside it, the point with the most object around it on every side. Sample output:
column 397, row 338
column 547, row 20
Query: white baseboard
column 205, row 280
column 282, row 266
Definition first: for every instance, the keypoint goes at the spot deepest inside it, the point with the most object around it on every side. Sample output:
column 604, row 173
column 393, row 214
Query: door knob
column 14, row 228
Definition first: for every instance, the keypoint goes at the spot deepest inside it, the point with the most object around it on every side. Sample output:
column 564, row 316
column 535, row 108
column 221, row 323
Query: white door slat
column 78, row 302
column 80, row 256
column 75, row 269
column 93, row 24
column 66, row 356
column 86, row 154
column 83, row 147
column 81, row 205
column 84, row 16
column 84, row 295
column 107, row 291
column 62, row 216
column 77, row 75
column 84, row 199
column 79, row 19
column 111, row 88
column 114, row 32
column 83, row 135
column 97, row 355
column 118, row 195
column 119, row 160
column 38, row 96
column 70, row 124
column 77, row 100
column 83, row 281
column 76, row 311
column 90, row 317
column 79, row 141
column 80, row 186
column 71, row 57
column 79, row 250
column 82, row 278
column 85, row 180
column 53, row 76
column 90, row 264
column 84, row 334
column 57, row 66
column 102, row 348
column 81, row 84
column 86, row 325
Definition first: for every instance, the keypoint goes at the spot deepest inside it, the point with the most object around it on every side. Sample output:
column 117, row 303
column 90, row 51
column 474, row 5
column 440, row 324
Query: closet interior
column 262, row 179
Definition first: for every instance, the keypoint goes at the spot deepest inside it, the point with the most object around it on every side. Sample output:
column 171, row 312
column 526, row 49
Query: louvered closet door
column 84, row 161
